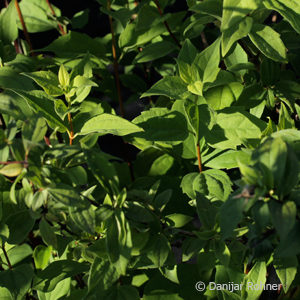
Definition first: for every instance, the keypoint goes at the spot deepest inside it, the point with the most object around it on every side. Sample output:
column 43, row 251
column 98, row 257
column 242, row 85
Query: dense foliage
column 204, row 183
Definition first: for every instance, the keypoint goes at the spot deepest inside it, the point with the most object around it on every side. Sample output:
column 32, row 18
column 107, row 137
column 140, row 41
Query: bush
column 158, row 161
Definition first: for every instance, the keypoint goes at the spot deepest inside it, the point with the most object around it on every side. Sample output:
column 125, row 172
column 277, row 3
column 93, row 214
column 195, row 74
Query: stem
column 62, row 31
column 6, row 256
column 166, row 24
column 23, row 26
column 199, row 158
column 13, row 162
column 116, row 64
column 71, row 133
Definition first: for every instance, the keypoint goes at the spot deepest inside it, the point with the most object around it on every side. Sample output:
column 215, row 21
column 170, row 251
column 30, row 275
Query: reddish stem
column 62, row 31
column 199, row 158
column 166, row 24
column 23, row 26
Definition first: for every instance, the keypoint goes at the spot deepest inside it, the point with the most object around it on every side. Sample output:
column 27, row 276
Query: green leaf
column 44, row 105
column 75, row 43
column 187, row 53
column 234, row 11
column 286, row 270
column 8, row 26
column 161, row 124
column 235, row 33
column 159, row 251
column 233, row 207
column 209, row 7
column 215, row 182
column 102, row 275
column 178, row 220
column 155, row 51
column 170, row 86
column 84, row 218
column 19, row 225
column 290, row 244
column 289, row 9
column 63, row 77
column 41, row 256
column 285, row 120
column 47, row 279
column 268, row 42
column 103, row 170
column 206, row 210
column 222, row 253
column 17, row 280
column 107, row 123
column 233, row 128
column 228, row 160
column 208, row 61
column 223, row 96
column 48, row 81
column 12, row 170
column 283, row 217
column 118, row 241
column 65, row 194
column 187, row 184
column 35, row 14
column 47, row 233
column 256, row 276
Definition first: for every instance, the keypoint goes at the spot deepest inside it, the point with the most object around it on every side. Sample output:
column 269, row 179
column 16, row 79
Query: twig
column 71, row 132
column 166, row 24
column 62, row 31
column 13, row 162
column 6, row 256
column 199, row 158
column 24, row 26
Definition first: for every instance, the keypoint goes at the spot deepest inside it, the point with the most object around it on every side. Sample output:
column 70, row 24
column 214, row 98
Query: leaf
column 289, row 9
column 290, row 244
column 188, row 52
column 285, row 120
column 233, row 128
column 65, row 194
column 208, row 61
column 19, row 224
column 118, row 241
column 154, row 51
column 47, row 279
column 8, row 26
column 283, row 217
column 234, row 12
column 223, row 96
column 268, row 42
column 209, row 7
column 47, row 233
column 228, row 160
column 233, row 207
column 107, row 123
column 17, row 280
column 102, row 275
column 286, row 270
column 44, row 105
column 159, row 251
column 35, row 14
column 63, row 77
column 41, row 256
column 187, row 184
column 75, row 43
column 12, row 170
column 161, row 124
column 234, row 33
column 170, row 86
column 84, row 218
column 48, row 81
column 178, row 220
column 256, row 276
